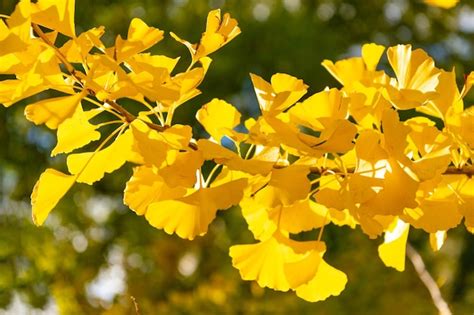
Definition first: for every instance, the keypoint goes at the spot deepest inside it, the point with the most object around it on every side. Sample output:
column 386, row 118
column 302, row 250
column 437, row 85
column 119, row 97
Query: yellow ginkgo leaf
column 186, row 84
column 49, row 189
column 263, row 262
column 15, row 34
column 468, row 84
column 218, row 118
column 53, row 111
column 327, row 282
column 349, row 72
column 283, row 91
column 151, row 63
column 465, row 189
column 301, row 216
column 191, row 215
column 181, row 167
column 309, row 264
column 445, row 4
column 434, row 215
column 463, row 125
column 148, row 143
column 417, row 77
column 92, row 166
column 395, row 134
column 448, row 101
column 286, row 186
column 146, row 187
column 442, row 203
column 12, row 91
column 346, row 71
column 273, row 262
column 437, row 240
column 219, row 32
column 56, row 15
column 392, row 251
column 224, row 156
column 74, row 133
column 140, row 37
column 371, row 54
column 328, row 104
column 77, row 49
column 283, row 264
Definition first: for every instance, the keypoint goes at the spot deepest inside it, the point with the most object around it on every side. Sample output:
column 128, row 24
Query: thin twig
column 137, row 309
column 428, row 281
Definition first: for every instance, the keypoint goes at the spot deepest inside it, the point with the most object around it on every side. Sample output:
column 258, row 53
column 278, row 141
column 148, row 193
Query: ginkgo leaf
column 263, row 262
column 146, row 187
column 148, row 143
column 283, row 91
column 437, row 240
column 441, row 203
column 77, row 49
column 191, row 215
column 257, row 216
column 296, row 218
column 323, row 105
column 272, row 262
column 445, row 4
column 286, row 186
column 219, row 31
column 49, row 189
column 449, row 100
column 283, row 264
column 74, row 133
column 301, row 216
column 186, row 84
column 181, row 167
column 468, row 83
column 417, row 77
column 12, row 91
column 346, row 71
column 56, row 15
column 395, row 134
column 327, row 282
column 434, row 215
column 371, row 54
column 465, row 189
column 224, row 156
column 392, row 251
column 152, row 64
column 218, row 117
column 15, row 34
column 140, row 37
column 52, row 112
column 92, row 166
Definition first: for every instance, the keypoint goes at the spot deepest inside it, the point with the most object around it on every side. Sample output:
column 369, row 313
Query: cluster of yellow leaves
column 341, row 156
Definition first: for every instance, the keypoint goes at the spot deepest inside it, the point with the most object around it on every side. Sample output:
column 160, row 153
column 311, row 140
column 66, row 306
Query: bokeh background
column 94, row 256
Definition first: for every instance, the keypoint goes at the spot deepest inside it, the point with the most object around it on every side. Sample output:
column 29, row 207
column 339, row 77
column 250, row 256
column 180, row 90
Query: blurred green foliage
column 93, row 255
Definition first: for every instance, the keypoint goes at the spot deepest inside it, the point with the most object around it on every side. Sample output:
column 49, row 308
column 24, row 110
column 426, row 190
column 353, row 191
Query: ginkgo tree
column 342, row 156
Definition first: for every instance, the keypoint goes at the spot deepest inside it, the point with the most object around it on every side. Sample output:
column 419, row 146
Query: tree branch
column 127, row 116
column 428, row 281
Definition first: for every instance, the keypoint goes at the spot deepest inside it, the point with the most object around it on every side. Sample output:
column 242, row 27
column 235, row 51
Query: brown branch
column 127, row 116
column 428, row 281
column 467, row 170
column 135, row 304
